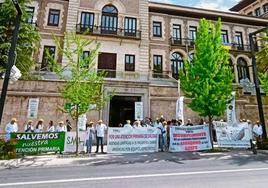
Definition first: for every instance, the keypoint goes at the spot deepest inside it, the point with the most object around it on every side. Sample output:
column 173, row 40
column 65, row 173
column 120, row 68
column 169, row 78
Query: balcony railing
column 190, row 42
column 181, row 41
column 108, row 31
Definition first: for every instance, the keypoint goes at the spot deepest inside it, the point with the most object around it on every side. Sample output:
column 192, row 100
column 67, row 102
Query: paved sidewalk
column 106, row 159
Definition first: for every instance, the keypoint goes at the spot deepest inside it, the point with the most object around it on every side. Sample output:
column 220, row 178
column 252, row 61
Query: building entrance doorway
column 122, row 108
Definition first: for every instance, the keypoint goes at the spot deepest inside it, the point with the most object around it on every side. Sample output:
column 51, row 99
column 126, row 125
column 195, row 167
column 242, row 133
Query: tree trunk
column 77, row 131
column 211, row 131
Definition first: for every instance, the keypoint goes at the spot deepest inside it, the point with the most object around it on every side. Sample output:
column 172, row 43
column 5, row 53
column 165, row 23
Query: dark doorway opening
column 122, row 108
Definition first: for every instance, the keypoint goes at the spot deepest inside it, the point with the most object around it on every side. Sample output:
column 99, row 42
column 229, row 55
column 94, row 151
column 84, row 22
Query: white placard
column 189, row 138
column 231, row 117
column 179, row 109
column 82, row 120
column 33, row 108
column 138, row 110
column 132, row 140
column 70, row 143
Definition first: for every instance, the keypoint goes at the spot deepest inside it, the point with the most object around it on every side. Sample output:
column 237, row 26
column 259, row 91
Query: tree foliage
column 207, row 80
column 27, row 40
column 83, row 84
column 262, row 62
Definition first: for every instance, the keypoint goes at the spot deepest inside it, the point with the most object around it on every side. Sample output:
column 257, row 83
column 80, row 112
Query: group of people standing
column 29, row 127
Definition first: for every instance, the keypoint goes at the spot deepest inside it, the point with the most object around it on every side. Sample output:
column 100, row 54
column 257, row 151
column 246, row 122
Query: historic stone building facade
column 143, row 45
column 258, row 8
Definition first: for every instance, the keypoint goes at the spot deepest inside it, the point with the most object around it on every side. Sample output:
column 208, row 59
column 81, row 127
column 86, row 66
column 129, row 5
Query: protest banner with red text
column 189, row 138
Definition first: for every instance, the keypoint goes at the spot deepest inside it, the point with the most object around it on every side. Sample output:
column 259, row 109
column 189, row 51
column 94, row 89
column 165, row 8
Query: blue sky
column 208, row 4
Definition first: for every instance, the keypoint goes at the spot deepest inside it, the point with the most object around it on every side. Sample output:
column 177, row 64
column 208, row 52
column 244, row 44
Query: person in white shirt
column 100, row 131
column 160, row 128
column 11, row 127
column 39, row 126
column 51, row 127
column 257, row 130
column 61, row 127
column 29, row 128
column 127, row 125
column 137, row 124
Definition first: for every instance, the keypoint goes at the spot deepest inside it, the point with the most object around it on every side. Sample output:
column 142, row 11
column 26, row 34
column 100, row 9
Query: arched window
column 232, row 69
column 109, row 19
column 242, row 69
column 191, row 57
column 176, row 64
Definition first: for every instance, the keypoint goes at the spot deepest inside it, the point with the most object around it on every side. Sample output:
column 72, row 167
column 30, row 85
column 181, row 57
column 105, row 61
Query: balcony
column 108, row 31
column 181, row 41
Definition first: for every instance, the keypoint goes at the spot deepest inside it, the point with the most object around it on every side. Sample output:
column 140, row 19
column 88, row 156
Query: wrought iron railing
column 108, row 31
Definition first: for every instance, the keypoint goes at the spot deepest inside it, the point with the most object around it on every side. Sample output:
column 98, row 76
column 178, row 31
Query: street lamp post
column 256, row 80
column 11, row 57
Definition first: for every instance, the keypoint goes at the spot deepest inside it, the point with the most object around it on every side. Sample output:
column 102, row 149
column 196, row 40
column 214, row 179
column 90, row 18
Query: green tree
column 27, row 40
column 83, row 84
column 262, row 63
column 207, row 80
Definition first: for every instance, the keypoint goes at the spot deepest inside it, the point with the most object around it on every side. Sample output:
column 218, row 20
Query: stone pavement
column 106, row 159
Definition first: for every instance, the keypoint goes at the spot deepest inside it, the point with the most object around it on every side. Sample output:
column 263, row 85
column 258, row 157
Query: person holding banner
column 61, row 127
column 127, row 125
column 100, row 131
column 11, row 127
column 51, row 127
column 90, row 136
column 39, row 126
column 29, row 128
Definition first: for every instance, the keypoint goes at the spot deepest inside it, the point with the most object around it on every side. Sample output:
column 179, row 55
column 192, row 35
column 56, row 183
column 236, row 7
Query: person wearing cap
column 137, row 124
column 100, row 131
column 90, row 135
column 128, row 125
column 11, row 127
column 61, row 127
column 29, row 128
column 39, row 126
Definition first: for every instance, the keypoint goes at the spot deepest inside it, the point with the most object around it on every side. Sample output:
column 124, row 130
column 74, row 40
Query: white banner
column 132, row 140
column 179, row 109
column 231, row 117
column 138, row 111
column 82, row 120
column 189, row 138
column 233, row 135
column 70, row 143
column 33, row 108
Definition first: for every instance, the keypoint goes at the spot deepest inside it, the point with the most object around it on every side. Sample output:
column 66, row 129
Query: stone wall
column 161, row 101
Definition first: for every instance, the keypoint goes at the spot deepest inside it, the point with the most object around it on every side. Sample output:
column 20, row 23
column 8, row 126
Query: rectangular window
column 224, row 36
column 239, row 40
column 130, row 26
column 265, row 8
column 192, row 33
column 257, row 11
column 53, row 17
column 30, row 13
column 157, row 29
column 50, row 50
column 87, row 21
column 129, row 62
column 84, row 55
column 176, row 34
column 158, row 65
